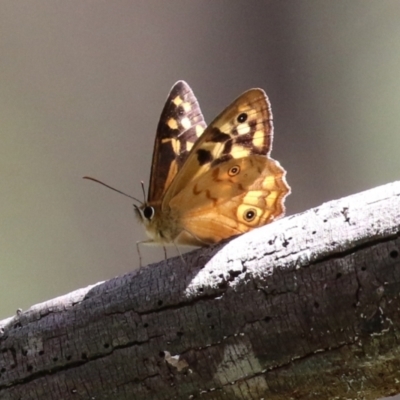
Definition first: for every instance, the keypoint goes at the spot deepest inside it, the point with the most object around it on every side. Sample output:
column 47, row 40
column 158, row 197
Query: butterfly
column 209, row 183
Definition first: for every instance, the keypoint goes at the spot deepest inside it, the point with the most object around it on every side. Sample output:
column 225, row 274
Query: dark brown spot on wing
column 227, row 147
column 253, row 125
column 204, row 156
column 224, row 158
column 245, row 140
column 218, row 136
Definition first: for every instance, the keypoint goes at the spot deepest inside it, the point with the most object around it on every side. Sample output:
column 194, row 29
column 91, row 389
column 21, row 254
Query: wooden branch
column 304, row 308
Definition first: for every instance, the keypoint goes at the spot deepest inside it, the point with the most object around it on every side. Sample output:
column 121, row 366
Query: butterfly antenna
column 110, row 187
column 144, row 191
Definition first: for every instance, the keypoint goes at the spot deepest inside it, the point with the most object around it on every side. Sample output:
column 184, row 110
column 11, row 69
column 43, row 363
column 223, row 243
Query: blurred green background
column 83, row 84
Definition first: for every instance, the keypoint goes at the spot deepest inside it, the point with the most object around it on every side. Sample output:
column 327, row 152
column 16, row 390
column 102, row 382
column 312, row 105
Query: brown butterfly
column 210, row 183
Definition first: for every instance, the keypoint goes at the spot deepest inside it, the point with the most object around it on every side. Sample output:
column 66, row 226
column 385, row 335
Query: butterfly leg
column 138, row 251
column 138, row 248
column 148, row 242
column 180, row 254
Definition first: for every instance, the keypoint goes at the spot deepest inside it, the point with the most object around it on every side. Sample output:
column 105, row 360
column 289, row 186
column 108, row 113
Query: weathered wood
column 304, row 308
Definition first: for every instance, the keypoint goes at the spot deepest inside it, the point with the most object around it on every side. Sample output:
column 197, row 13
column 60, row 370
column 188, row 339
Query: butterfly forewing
column 242, row 129
column 181, row 124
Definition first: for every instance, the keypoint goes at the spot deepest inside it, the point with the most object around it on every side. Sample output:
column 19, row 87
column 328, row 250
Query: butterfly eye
column 148, row 212
column 234, row 170
column 242, row 118
column 249, row 214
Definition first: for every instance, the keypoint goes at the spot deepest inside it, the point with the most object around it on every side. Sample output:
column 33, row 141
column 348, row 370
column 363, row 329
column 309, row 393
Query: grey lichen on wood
column 304, row 308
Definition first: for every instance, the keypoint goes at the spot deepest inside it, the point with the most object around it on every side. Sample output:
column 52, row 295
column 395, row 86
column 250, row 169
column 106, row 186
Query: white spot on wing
column 243, row 129
column 186, row 106
column 186, row 122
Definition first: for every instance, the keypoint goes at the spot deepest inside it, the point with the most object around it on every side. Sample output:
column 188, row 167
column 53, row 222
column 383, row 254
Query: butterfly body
column 161, row 227
column 211, row 183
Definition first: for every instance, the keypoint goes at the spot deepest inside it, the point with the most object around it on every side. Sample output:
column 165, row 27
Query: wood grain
column 304, row 308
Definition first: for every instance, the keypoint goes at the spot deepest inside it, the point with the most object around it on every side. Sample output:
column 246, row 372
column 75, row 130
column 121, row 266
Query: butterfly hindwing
column 231, row 198
column 181, row 124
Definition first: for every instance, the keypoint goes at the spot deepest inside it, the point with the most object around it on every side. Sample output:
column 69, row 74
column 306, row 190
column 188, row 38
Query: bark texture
column 304, row 308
